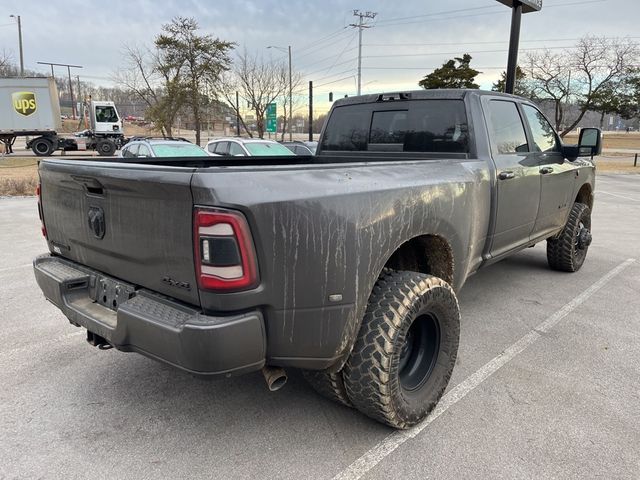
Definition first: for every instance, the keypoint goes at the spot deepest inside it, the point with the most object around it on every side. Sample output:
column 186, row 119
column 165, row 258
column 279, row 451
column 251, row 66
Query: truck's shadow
column 150, row 405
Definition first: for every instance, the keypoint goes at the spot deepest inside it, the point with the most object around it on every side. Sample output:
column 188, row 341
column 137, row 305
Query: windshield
column 106, row 114
column 178, row 150
column 267, row 148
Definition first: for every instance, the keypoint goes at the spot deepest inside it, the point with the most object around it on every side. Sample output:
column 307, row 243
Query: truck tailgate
column 132, row 222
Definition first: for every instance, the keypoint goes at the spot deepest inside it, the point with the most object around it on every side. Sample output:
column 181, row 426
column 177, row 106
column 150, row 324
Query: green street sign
column 272, row 118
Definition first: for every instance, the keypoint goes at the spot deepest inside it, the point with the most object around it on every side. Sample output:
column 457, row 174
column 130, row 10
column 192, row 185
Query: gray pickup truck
column 343, row 264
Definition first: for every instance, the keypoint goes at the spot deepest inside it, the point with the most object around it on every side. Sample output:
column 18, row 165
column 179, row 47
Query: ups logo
column 24, row 103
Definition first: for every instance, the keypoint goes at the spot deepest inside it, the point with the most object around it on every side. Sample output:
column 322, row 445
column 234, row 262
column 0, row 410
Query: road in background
column 565, row 407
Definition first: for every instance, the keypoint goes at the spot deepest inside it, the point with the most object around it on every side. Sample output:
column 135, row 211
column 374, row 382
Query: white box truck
column 30, row 107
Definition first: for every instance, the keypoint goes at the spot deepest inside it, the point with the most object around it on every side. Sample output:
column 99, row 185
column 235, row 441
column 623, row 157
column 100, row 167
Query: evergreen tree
column 456, row 73
column 521, row 87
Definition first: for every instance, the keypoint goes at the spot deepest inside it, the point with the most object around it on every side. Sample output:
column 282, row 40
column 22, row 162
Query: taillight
column 43, row 228
column 224, row 255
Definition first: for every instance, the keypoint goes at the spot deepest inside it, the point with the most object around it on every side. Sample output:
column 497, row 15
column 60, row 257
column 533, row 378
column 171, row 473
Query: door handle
column 546, row 170
column 506, row 175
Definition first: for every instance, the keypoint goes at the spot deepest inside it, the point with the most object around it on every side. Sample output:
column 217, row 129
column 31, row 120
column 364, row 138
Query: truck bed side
column 327, row 230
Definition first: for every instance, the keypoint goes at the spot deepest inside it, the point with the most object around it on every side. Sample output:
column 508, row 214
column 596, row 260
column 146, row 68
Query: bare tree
column 549, row 78
column 593, row 69
column 259, row 83
column 603, row 65
column 154, row 82
column 6, row 63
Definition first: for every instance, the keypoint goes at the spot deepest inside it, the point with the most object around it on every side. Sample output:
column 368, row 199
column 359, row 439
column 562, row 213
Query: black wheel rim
column 419, row 352
column 580, row 251
column 42, row 148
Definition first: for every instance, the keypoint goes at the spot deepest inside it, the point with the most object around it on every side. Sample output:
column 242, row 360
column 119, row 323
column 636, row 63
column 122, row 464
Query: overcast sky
column 407, row 38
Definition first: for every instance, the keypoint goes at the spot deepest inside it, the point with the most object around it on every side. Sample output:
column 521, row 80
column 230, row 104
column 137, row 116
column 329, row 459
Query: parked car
column 145, row 147
column 302, row 148
column 246, row 147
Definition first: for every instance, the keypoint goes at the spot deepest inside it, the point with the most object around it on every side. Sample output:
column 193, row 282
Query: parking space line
column 389, row 444
column 8, row 269
column 619, row 196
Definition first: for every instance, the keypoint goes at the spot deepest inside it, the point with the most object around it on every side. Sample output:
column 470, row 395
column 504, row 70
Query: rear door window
column 222, row 148
column 143, row 151
column 414, row 126
column 236, row 149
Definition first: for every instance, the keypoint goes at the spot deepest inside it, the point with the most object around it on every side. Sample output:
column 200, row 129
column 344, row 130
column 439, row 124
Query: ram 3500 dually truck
column 343, row 264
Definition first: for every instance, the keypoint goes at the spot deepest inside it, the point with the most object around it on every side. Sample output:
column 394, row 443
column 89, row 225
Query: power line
column 321, row 46
column 321, row 39
column 434, row 14
column 331, row 57
column 494, row 12
column 483, row 43
column 335, row 81
column 466, row 51
column 334, row 74
column 425, row 68
column 335, row 63
column 344, row 50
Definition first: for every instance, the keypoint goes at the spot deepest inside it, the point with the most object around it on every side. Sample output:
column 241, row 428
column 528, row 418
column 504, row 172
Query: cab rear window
column 434, row 126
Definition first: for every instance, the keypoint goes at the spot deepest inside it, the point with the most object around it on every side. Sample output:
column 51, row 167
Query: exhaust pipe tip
column 275, row 377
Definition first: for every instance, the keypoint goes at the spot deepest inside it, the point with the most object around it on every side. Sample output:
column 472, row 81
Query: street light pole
column 20, row 43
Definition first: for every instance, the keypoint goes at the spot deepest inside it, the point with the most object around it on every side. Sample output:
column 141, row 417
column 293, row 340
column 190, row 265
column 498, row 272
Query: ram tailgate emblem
column 96, row 221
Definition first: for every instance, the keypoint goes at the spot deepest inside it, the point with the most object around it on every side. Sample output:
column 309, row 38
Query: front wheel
column 106, row 147
column 568, row 250
column 406, row 349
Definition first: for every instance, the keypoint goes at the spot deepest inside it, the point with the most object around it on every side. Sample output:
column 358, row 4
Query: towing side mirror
column 589, row 145
column 590, row 142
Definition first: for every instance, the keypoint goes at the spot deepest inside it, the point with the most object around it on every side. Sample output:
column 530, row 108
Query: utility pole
column 69, row 67
column 237, row 114
column 310, row 111
column 361, row 25
column 17, row 17
column 73, row 103
column 80, row 100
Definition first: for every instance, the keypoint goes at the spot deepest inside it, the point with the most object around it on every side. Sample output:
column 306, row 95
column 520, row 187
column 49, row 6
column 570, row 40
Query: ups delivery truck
column 29, row 107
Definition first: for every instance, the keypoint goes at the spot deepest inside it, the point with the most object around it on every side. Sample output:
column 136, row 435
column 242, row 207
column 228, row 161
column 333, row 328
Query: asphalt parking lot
column 547, row 384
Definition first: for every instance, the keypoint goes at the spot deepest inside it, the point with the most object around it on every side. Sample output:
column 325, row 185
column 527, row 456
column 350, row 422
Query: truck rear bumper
column 150, row 324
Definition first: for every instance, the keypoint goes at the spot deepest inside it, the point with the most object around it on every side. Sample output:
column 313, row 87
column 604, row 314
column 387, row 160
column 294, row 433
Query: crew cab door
column 518, row 176
column 557, row 175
